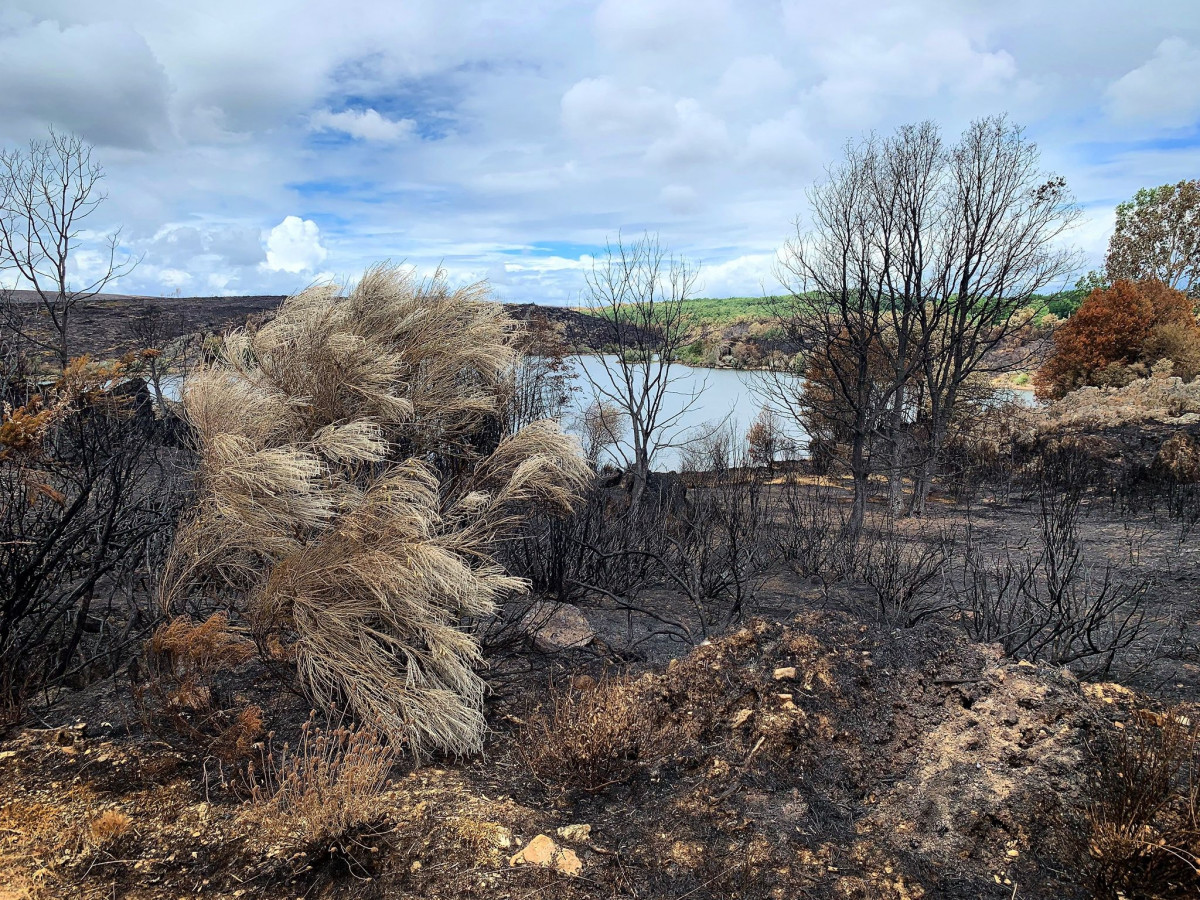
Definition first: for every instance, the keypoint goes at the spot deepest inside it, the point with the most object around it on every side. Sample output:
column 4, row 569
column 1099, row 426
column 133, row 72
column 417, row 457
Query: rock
column 557, row 626
column 575, row 832
column 741, row 717
column 785, row 672
column 542, row 851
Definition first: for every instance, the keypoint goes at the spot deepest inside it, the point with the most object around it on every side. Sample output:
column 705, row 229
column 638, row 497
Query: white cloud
column 363, row 124
column 1164, row 90
column 294, row 245
column 866, row 71
column 696, row 137
column 557, row 124
column 655, row 26
column 598, row 107
column 174, row 278
column 751, row 78
column 784, row 144
column 745, row 276
column 680, row 199
column 100, row 80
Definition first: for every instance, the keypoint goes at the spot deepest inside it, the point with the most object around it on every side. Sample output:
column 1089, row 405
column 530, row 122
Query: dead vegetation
column 764, row 701
column 321, row 794
column 1145, row 812
column 593, row 736
column 349, row 496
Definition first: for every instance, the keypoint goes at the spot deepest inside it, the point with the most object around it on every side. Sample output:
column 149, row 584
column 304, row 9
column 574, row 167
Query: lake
column 729, row 399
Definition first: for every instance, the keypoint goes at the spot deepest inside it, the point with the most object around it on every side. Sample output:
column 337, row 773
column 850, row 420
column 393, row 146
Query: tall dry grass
column 350, row 495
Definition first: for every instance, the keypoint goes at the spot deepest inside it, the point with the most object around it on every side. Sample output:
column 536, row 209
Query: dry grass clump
column 595, row 736
column 1145, row 818
column 352, row 486
column 109, row 827
column 326, row 789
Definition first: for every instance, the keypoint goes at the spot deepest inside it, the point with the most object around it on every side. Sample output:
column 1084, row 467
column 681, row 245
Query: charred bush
column 89, row 497
column 814, row 537
column 905, row 573
column 1049, row 603
column 1144, row 815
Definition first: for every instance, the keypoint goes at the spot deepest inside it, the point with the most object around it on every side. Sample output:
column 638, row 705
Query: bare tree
column 641, row 294
column 854, row 293
column 998, row 241
column 46, row 193
column 918, row 262
column 601, row 427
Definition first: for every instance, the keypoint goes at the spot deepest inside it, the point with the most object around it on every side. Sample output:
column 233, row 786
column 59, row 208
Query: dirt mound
column 814, row 758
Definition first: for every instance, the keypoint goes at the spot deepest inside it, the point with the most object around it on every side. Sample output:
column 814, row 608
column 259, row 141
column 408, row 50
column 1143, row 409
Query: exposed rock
column 575, row 832
column 543, row 851
column 557, row 626
column 785, row 672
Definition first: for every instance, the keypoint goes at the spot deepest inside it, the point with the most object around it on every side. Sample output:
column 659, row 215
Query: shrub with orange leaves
column 1118, row 331
column 190, row 654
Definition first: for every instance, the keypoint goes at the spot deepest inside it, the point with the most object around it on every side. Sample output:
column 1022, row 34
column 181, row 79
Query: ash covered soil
column 812, row 757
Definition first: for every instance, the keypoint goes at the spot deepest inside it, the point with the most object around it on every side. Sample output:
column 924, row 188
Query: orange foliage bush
column 1130, row 324
column 189, row 655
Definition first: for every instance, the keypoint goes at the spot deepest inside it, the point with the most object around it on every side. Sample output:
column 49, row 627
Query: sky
column 258, row 147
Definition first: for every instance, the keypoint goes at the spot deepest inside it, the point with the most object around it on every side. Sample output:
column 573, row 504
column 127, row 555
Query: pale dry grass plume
column 350, row 495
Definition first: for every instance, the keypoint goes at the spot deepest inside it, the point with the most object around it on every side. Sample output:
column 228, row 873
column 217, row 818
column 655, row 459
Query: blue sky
column 257, row 147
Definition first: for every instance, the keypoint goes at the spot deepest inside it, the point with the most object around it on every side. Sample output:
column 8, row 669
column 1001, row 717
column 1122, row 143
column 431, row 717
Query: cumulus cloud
column 363, row 124
column 865, row 71
column 750, row 275
column 680, row 199
column 294, row 246
column 751, row 78
column 655, row 26
column 1165, row 89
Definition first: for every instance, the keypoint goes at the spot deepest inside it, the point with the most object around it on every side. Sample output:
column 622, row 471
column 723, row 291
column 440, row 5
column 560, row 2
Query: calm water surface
column 729, row 399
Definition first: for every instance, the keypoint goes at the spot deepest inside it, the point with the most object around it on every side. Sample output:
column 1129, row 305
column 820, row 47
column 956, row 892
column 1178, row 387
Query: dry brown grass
column 109, row 827
column 1145, row 816
column 325, row 790
column 350, row 500
column 595, row 735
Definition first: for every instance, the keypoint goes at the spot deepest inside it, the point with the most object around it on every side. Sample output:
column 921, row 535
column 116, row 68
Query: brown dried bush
column 188, row 655
column 1115, row 330
column 1144, row 819
column 325, row 790
column 236, row 741
column 1179, row 457
column 595, row 735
